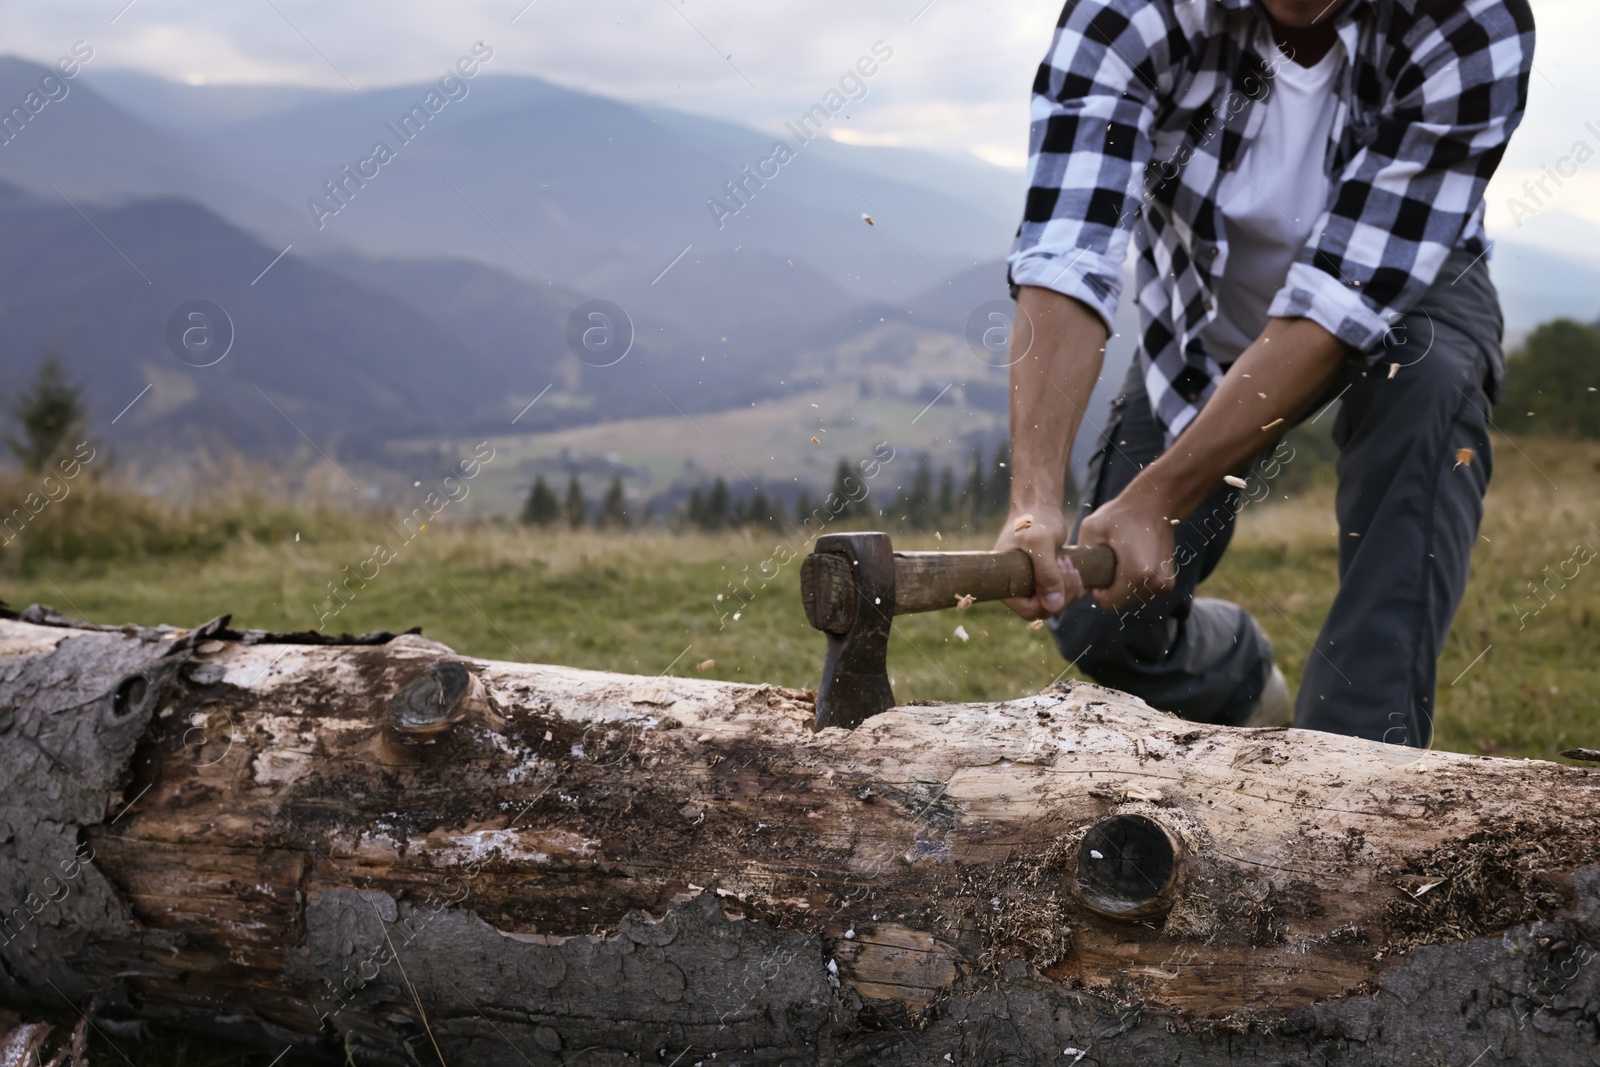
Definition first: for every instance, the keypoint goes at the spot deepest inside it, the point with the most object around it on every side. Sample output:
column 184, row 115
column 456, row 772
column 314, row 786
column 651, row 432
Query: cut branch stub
column 1129, row 867
column 129, row 696
column 432, row 702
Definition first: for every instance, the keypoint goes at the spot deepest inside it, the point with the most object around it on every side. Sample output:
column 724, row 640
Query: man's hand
column 1142, row 538
column 1055, row 580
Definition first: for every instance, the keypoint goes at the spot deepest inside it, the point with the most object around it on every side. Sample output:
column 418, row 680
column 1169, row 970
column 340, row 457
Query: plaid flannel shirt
column 1142, row 105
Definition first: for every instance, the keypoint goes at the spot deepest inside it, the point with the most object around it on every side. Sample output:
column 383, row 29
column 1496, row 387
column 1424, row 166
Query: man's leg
column 1204, row 659
column 1413, row 466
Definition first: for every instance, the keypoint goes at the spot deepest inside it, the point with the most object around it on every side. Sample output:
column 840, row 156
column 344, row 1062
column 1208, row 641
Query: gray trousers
column 1408, row 517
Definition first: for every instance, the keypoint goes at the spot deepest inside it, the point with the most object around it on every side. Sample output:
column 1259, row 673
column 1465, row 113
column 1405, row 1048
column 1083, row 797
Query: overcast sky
column 958, row 80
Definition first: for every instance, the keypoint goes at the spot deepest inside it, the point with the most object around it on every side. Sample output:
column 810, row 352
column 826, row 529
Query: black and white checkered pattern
column 1142, row 105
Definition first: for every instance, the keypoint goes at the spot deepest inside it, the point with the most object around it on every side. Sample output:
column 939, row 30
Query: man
column 1303, row 180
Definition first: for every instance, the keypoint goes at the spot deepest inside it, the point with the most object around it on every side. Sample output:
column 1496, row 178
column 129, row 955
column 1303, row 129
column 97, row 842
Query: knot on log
column 1128, row 867
column 432, row 702
column 129, row 696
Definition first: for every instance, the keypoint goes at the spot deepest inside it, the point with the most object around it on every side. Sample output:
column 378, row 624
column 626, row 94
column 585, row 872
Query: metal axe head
column 847, row 586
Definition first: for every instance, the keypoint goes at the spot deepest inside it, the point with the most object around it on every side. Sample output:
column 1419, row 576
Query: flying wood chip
column 705, row 665
column 1036, row 624
column 1464, row 455
column 867, row 219
column 1022, row 524
column 964, row 601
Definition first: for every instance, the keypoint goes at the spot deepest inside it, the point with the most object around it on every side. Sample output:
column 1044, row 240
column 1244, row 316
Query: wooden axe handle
column 929, row 581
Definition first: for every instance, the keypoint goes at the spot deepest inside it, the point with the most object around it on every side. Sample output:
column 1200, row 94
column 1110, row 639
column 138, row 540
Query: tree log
column 379, row 845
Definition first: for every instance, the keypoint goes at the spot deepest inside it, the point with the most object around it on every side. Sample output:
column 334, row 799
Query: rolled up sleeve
column 1089, row 142
column 1414, row 190
column 1309, row 293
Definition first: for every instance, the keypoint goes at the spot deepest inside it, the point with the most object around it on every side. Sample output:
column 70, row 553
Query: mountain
column 83, row 148
column 543, row 181
column 187, row 110
column 437, row 297
column 716, row 331
column 552, row 183
column 314, row 356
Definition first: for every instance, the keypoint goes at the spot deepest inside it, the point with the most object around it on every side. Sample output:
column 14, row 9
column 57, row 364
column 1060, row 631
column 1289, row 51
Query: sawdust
column 1017, row 908
column 1493, row 879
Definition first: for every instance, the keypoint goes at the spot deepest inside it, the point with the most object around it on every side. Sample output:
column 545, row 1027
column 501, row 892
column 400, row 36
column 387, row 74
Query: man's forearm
column 1058, row 346
column 1268, row 388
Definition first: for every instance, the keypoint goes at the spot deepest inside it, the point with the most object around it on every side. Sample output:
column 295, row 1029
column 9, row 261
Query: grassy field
column 1520, row 675
column 646, row 602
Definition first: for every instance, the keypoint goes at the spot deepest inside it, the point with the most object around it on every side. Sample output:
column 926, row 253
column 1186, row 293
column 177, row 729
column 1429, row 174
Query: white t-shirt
column 1271, row 200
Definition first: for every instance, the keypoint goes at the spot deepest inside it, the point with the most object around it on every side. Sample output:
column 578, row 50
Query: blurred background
column 279, row 269
column 385, row 310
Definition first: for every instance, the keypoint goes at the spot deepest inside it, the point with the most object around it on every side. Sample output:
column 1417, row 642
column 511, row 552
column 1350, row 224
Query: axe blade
column 848, row 588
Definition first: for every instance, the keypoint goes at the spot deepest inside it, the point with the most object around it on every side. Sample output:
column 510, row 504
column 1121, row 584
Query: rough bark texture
column 348, row 846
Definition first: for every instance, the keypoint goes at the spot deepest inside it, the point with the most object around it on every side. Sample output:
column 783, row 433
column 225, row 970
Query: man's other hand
column 1142, row 538
column 1056, row 582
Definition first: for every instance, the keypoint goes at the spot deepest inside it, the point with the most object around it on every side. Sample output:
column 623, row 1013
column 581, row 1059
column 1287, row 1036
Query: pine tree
column 803, row 508
column 614, row 510
column 1000, row 482
column 918, row 501
column 541, row 508
column 717, row 512
column 695, row 510
column 575, row 509
column 758, row 511
column 843, row 480
column 973, row 497
column 51, row 414
column 946, row 505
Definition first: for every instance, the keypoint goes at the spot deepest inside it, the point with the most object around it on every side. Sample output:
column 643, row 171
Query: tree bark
column 377, row 844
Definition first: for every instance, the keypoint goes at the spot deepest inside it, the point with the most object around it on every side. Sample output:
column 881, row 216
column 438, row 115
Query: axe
column 853, row 584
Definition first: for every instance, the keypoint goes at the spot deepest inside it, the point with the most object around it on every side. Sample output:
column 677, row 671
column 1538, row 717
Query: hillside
column 345, row 363
column 592, row 192
column 434, row 305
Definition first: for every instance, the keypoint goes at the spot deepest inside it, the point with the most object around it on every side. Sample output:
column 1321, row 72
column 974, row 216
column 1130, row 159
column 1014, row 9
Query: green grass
column 645, row 602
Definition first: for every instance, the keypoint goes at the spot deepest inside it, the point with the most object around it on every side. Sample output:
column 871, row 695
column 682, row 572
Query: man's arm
column 1094, row 105
column 1266, row 391
column 1057, row 347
